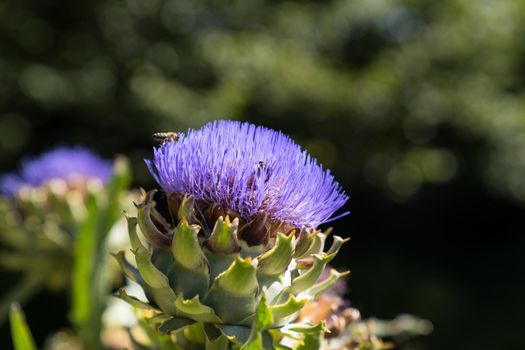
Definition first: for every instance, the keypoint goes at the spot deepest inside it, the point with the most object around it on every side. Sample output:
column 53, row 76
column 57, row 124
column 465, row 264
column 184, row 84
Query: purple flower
column 59, row 163
column 248, row 169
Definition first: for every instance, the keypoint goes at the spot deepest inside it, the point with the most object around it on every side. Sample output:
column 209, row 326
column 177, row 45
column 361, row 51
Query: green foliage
column 22, row 338
column 82, row 269
column 90, row 285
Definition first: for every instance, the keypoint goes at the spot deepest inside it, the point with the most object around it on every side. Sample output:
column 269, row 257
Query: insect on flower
column 163, row 137
column 249, row 170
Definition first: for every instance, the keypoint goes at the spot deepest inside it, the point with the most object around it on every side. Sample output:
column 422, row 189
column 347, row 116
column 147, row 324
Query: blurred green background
column 418, row 107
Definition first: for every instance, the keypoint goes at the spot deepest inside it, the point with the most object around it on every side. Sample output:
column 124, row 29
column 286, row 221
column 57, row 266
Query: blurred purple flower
column 248, row 169
column 58, row 163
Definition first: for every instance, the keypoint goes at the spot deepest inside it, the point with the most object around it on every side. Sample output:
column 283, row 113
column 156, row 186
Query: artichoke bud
column 212, row 279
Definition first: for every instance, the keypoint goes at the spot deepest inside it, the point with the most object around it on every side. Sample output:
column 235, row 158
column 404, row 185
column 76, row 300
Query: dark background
column 417, row 107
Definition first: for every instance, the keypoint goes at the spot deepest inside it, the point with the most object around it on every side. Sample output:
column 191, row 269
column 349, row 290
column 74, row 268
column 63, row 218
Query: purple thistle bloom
column 248, row 169
column 58, row 163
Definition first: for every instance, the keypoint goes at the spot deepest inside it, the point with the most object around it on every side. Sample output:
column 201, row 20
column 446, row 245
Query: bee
column 163, row 137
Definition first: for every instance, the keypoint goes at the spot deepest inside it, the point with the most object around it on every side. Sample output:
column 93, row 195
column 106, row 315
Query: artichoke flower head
column 45, row 206
column 72, row 165
column 240, row 253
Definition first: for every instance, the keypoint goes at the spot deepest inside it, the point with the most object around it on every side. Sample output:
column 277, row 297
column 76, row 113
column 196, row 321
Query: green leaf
column 186, row 265
column 291, row 306
column 196, row 333
column 89, row 286
column 223, row 238
column 263, row 320
column 145, row 214
column 236, row 334
column 186, row 248
column 317, row 246
column 328, row 283
column 186, row 209
column 22, row 338
column 254, row 344
column 220, row 343
column 305, row 328
column 134, row 239
column 187, row 282
column 336, row 245
column 310, row 342
column 232, row 294
column 195, row 310
column 149, row 272
column 120, row 180
column 303, row 243
column 219, row 262
column 129, row 270
column 159, row 318
column 174, row 324
column 264, row 316
column 83, row 264
column 308, row 278
column 258, row 341
column 155, row 339
column 276, row 260
column 164, row 298
column 240, row 278
column 313, row 244
column 134, row 301
column 156, row 284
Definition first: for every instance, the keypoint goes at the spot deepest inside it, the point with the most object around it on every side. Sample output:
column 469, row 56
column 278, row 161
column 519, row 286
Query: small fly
column 163, row 137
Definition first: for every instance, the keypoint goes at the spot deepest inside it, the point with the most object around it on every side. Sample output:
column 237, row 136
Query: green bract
column 207, row 287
